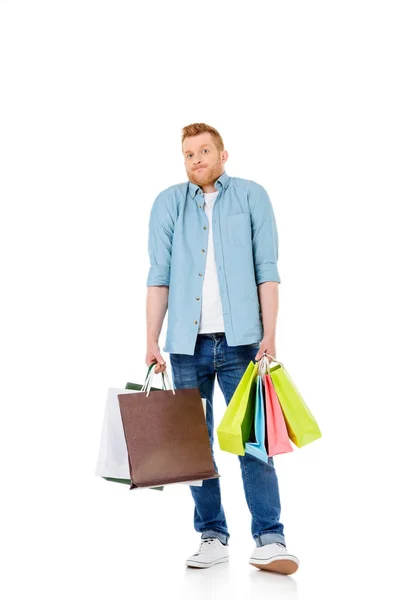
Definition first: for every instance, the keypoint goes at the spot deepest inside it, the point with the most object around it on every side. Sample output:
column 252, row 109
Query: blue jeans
column 213, row 355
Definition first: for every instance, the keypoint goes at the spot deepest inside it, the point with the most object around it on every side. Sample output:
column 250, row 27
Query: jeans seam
column 248, row 491
column 222, row 387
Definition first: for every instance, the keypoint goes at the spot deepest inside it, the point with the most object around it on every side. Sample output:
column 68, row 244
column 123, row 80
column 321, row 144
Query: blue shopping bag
column 258, row 448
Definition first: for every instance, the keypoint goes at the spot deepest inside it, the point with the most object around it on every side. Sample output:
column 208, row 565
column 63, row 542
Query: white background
column 93, row 98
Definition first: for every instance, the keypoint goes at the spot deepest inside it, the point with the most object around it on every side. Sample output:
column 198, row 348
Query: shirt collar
column 222, row 181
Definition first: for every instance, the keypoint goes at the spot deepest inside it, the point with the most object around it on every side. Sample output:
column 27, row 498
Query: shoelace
column 206, row 545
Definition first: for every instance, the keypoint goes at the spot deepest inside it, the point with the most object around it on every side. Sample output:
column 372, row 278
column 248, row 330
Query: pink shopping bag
column 277, row 434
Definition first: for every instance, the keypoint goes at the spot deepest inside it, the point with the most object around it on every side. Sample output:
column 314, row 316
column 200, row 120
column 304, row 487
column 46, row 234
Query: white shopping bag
column 113, row 456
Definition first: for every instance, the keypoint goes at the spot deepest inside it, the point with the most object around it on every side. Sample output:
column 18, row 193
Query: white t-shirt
column 211, row 318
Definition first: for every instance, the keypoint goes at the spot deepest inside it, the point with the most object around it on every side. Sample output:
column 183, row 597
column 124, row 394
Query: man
column 213, row 248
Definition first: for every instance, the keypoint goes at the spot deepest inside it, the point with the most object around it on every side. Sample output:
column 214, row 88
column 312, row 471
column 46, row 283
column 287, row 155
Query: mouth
column 199, row 169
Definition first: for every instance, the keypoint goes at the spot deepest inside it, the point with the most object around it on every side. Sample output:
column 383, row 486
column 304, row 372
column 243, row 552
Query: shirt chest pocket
column 239, row 229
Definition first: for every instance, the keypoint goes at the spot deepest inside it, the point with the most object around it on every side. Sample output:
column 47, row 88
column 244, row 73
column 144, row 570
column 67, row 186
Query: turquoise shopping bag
column 258, row 448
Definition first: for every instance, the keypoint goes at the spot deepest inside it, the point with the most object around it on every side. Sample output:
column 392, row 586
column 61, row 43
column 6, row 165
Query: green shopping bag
column 234, row 430
column 301, row 425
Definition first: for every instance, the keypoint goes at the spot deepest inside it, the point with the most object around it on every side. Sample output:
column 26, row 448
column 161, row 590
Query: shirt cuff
column 158, row 276
column 266, row 271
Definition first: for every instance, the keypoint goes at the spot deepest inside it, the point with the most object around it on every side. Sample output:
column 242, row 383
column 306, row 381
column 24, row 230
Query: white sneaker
column 274, row 557
column 211, row 552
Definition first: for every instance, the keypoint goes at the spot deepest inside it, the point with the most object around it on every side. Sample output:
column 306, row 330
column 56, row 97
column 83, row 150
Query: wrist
column 269, row 337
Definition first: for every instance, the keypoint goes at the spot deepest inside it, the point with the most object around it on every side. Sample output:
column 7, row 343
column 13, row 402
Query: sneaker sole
column 285, row 566
column 201, row 565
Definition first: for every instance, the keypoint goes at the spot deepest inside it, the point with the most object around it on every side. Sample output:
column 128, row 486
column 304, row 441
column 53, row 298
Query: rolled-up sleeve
column 160, row 242
column 264, row 236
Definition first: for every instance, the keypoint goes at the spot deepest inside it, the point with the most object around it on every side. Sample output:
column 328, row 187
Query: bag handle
column 265, row 363
column 274, row 359
column 162, row 373
column 146, row 384
column 146, row 380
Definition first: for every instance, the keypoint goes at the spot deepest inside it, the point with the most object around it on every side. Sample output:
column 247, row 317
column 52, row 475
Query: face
column 204, row 163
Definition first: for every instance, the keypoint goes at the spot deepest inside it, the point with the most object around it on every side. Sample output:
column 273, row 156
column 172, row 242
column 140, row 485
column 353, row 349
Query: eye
column 205, row 149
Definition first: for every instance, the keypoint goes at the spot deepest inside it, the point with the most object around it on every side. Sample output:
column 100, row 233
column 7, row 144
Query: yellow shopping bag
column 234, row 430
column 301, row 425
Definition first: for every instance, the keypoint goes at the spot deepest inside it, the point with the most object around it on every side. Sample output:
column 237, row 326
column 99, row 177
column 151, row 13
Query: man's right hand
column 153, row 355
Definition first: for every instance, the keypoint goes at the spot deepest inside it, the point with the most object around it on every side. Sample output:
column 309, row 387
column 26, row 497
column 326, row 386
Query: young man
column 213, row 248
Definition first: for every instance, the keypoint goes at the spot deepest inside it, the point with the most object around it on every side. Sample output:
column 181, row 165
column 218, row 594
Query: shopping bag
column 300, row 423
column 166, row 436
column 137, row 386
column 258, row 448
column 234, row 429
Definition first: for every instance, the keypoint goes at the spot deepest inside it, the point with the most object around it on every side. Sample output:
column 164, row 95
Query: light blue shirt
column 246, row 254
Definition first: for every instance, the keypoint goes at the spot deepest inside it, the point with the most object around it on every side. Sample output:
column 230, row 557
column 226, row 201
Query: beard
column 206, row 175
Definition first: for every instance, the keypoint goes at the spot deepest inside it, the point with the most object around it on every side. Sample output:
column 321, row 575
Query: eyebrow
column 202, row 146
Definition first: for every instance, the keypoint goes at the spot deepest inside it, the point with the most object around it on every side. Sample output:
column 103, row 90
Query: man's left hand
column 267, row 344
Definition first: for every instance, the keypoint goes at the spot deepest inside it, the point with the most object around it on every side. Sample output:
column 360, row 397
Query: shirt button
column 204, row 227
column 200, row 274
column 203, row 250
column 197, row 298
column 199, row 205
column 195, row 322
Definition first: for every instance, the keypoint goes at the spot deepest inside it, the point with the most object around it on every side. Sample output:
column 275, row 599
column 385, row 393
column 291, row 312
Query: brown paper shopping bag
column 166, row 436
